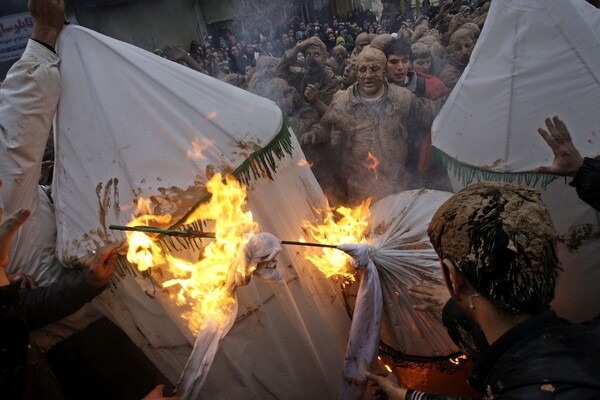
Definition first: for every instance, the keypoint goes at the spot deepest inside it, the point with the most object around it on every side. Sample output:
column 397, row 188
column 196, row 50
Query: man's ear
column 452, row 276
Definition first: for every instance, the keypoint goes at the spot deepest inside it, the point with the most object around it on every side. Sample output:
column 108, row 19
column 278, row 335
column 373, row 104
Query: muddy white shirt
column 28, row 101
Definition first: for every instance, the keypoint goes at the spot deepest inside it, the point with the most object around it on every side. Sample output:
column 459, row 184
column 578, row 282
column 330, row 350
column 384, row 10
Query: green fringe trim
column 466, row 173
column 260, row 164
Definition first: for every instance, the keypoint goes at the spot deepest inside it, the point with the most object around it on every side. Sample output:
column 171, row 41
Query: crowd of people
column 352, row 91
column 337, row 82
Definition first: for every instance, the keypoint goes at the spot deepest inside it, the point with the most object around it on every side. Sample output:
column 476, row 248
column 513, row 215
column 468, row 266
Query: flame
column 349, row 227
column 302, row 163
column 458, row 360
column 386, row 366
column 211, row 115
column 198, row 146
column 206, row 288
column 372, row 163
column 142, row 249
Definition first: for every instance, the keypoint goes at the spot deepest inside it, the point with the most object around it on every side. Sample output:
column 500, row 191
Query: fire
column 206, row 288
column 349, row 227
column 142, row 249
column 198, row 146
column 372, row 163
column 302, row 163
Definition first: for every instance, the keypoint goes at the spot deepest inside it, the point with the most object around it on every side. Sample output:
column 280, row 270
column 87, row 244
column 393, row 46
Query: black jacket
column 587, row 182
column 544, row 357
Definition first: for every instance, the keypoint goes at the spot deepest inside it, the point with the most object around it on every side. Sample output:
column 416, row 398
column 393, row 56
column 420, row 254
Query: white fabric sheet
column 404, row 258
column 126, row 128
column 397, row 257
column 534, row 59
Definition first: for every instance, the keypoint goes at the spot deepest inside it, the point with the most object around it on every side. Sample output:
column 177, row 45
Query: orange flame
column 205, row 288
column 349, row 227
column 372, row 163
column 198, row 146
column 302, row 163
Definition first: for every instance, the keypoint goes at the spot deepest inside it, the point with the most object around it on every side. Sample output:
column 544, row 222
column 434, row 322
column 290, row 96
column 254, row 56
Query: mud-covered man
column 367, row 123
column 313, row 80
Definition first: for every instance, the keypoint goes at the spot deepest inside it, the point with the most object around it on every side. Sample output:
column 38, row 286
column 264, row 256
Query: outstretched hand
column 567, row 159
column 8, row 228
column 23, row 280
column 100, row 265
column 48, row 17
column 386, row 388
column 310, row 137
column 157, row 394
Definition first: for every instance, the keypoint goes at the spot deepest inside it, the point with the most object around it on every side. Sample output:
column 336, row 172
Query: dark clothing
column 100, row 363
column 587, row 182
column 543, row 357
column 14, row 339
column 23, row 370
column 45, row 305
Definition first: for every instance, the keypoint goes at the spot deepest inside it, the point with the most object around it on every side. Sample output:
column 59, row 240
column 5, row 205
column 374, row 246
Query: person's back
column 547, row 357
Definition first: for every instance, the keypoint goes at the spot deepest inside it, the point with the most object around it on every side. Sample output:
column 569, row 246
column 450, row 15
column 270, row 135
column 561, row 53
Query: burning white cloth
column 133, row 125
column 258, row 258
column 366, row 323
column 397, row 257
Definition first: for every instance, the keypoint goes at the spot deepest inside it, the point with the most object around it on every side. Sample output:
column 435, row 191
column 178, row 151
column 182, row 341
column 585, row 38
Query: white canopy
column 131, row 124
column 534, row 59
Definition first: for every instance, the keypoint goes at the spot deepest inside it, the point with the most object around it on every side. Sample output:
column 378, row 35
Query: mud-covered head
column 501, row 238
column 371, row 71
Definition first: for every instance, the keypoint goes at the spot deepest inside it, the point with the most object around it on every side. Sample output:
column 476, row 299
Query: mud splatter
column 247, row 147
column 381, row 228
column 176, row 201
column 548, row 387
column 578, row 235
column 108, row 199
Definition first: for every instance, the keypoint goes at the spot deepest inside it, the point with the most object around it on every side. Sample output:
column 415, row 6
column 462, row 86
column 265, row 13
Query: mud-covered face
column 370, row 77
column 361, row 43
column 316, row 54
column 349, row 75
column 397, row 66
column 463, row 48
column 422, row 65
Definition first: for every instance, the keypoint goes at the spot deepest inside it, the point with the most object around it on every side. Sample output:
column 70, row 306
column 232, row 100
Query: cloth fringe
column 467, row 174
column 448, row 364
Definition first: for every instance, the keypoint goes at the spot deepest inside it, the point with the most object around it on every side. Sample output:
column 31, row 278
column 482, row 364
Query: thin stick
column 292, row 243
column 199, row 234
column 166, row 232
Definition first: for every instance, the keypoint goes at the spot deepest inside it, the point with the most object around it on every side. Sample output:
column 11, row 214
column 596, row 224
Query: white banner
column 14, row 31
